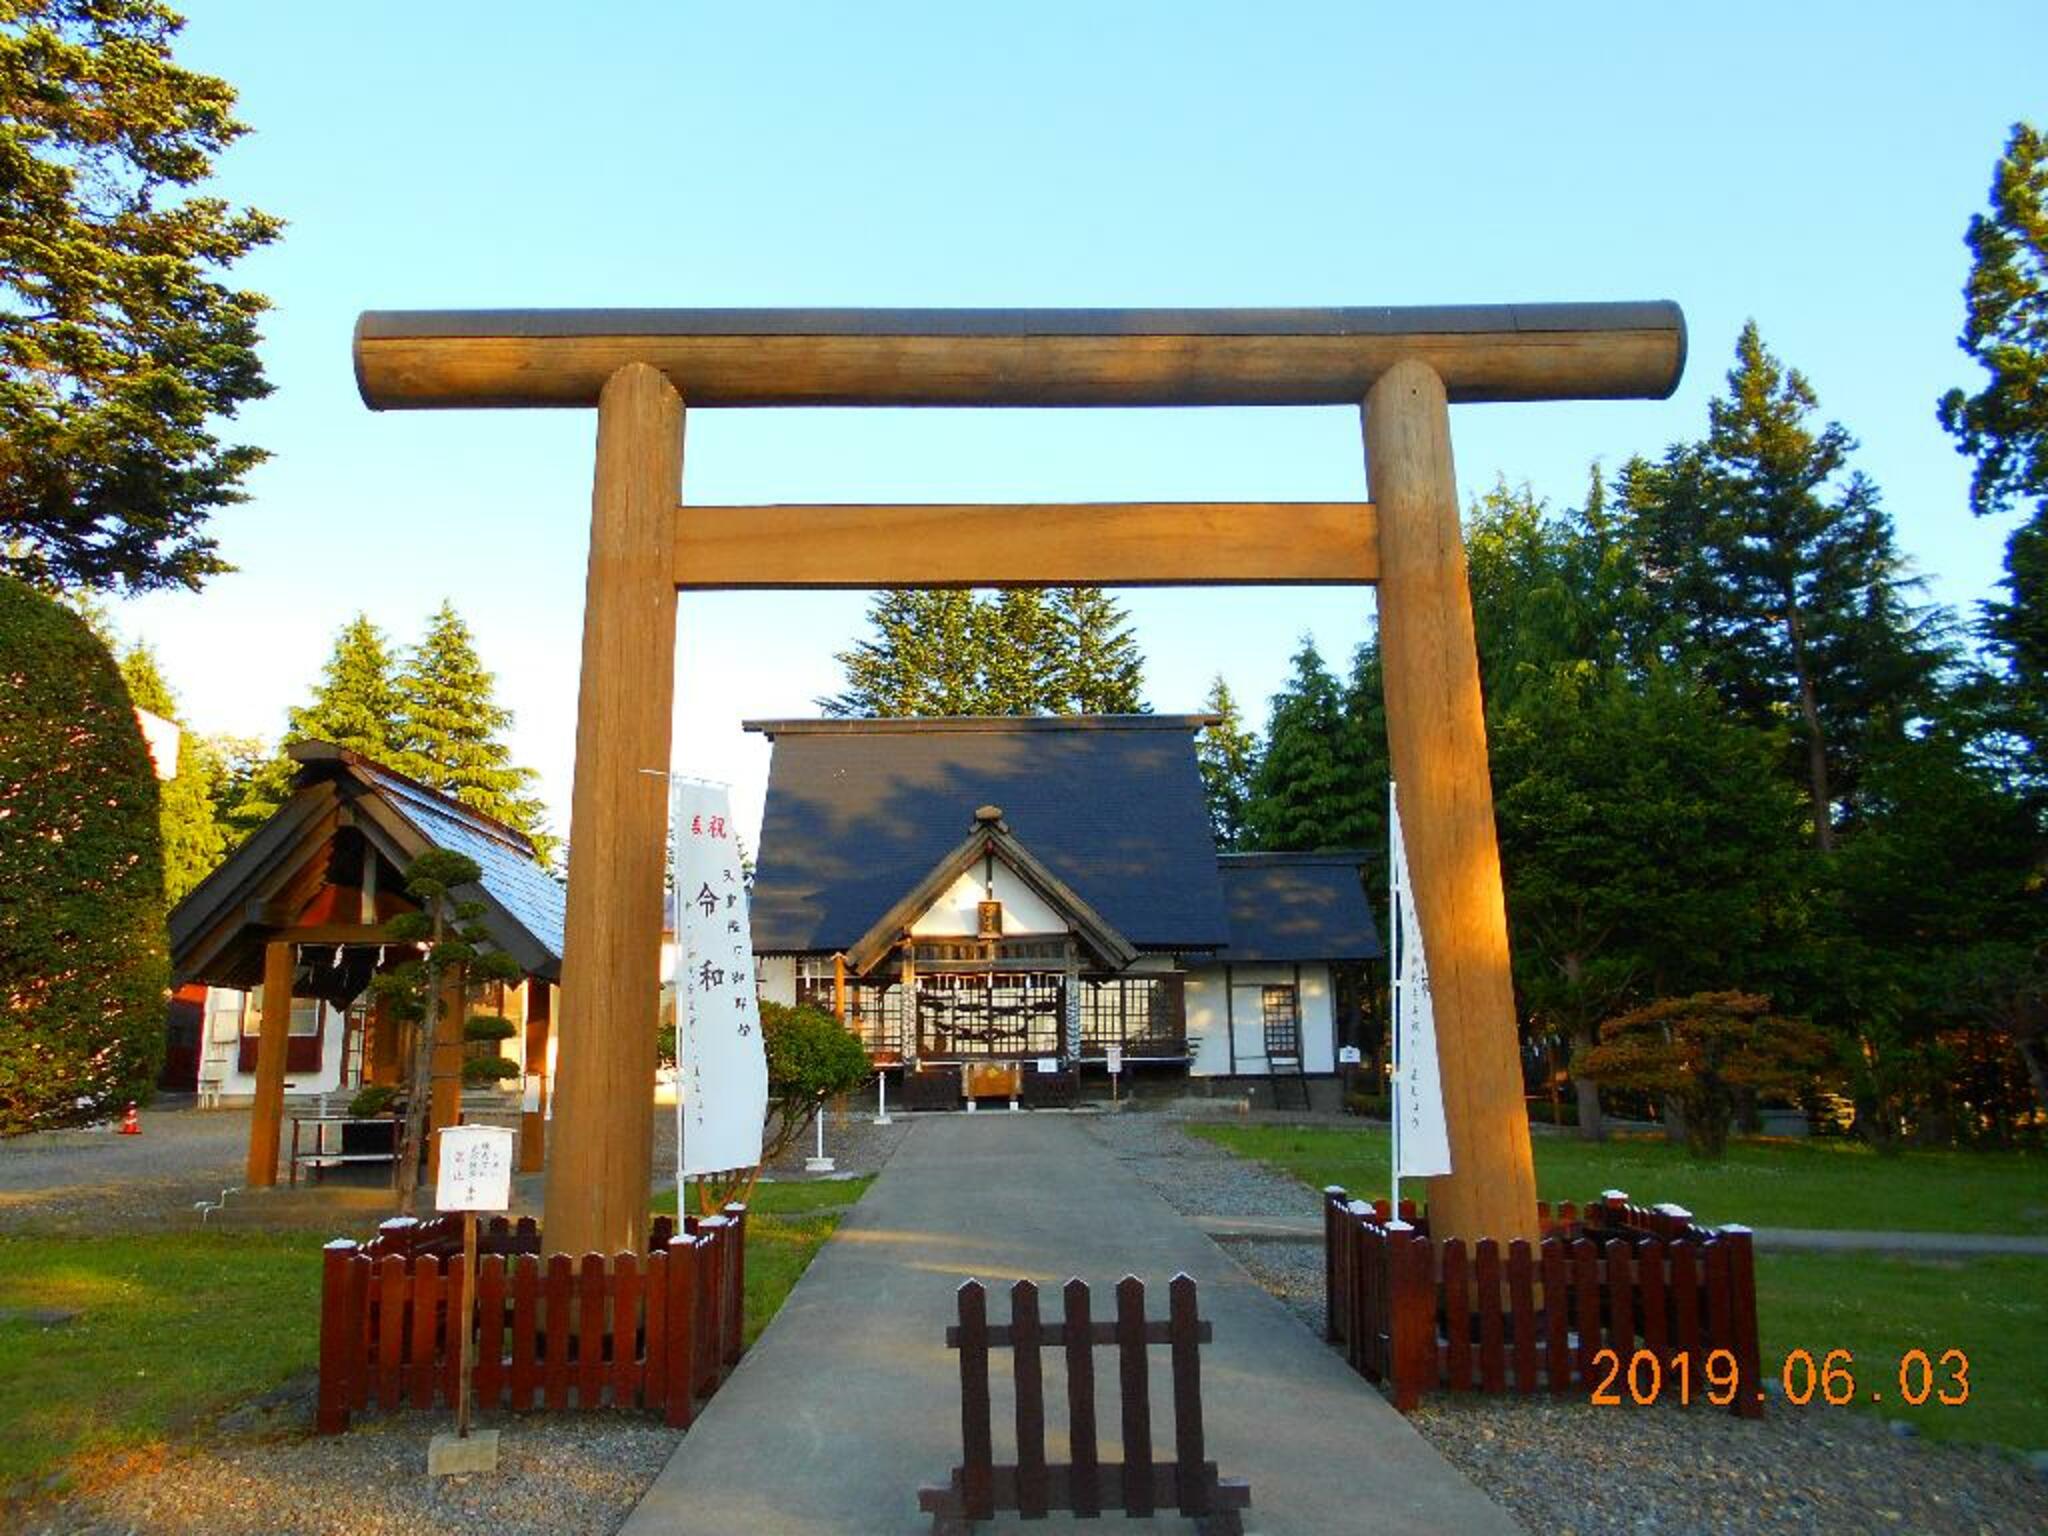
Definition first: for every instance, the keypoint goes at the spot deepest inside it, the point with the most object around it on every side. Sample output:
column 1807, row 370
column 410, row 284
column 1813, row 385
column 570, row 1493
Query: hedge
column 83, row 968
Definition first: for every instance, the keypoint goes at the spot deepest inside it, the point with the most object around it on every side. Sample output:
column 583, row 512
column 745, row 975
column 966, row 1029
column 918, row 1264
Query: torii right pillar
column 1436, row 740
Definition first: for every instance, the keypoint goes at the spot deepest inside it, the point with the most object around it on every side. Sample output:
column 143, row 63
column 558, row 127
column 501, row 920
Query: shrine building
column 1000, row 907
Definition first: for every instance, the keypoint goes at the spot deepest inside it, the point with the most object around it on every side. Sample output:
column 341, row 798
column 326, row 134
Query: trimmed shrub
column 480, row 1070
column 811, row 1057
column 488, row 1026
column 372, row 1101
column 83, row 970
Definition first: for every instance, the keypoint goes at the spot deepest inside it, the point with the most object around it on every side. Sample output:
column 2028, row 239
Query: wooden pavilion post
column 273, row 1041
column 1436, row 738
column 599, row 1165
column 533, row 1123
column 445, row 1104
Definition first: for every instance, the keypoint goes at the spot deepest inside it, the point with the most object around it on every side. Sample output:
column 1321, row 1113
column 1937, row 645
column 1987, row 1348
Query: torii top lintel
column 420, row 359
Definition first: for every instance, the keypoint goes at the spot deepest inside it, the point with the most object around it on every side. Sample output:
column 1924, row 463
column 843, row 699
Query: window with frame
column 305, row 1015
column 1280, row 1010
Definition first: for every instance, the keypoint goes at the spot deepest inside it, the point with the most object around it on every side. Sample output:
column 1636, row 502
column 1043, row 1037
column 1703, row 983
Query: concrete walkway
column 1292, row 1228
column 850, row 1400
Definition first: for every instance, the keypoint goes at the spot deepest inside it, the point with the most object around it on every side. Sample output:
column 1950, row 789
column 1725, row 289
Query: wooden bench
column 1139, row 1484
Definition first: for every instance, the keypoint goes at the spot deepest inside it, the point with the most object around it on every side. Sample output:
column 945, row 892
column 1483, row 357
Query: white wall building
column 1011, row 901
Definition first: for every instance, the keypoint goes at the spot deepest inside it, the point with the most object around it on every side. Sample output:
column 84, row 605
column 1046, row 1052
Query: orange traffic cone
column 131, row 1123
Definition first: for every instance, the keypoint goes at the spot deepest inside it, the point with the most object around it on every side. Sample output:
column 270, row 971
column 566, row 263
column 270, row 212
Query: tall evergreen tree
column 2004, row 425
column 1783, row 564
column 1010, row 653
column 1363, row 763
column 1018, row 642
column 1299, row 790
column 193, row 841
column 921, row 659
column 121, row 350
column 1101, row 671
column 1227, row 755
column 448, row 738
column 355, row 706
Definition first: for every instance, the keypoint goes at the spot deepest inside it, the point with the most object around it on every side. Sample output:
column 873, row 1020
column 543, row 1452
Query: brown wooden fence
column 1569, row 1315
column 658, row 1331
column 1138, row 1485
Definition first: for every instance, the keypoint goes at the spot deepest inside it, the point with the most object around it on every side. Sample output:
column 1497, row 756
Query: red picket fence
column 658, row 1332
column 1421, row 1315
column 1139, row 1485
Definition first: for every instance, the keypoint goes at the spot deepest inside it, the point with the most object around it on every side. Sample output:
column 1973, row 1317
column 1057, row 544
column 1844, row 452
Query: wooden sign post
column 474, row 1174
column 638, row 368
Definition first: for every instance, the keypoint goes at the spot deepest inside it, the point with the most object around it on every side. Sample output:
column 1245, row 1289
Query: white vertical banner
column 1422, row 1147
column 722, row 1070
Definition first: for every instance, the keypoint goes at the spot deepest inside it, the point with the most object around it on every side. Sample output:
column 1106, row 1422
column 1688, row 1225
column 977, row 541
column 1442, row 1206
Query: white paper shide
column 1422, row 1147
column 722, row 1079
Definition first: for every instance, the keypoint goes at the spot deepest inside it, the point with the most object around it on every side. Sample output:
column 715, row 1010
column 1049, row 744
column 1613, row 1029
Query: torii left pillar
column 599, row 1157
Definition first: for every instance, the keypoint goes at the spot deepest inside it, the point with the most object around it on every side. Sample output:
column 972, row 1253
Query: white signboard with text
column 722, row 1070
column 476, row 1169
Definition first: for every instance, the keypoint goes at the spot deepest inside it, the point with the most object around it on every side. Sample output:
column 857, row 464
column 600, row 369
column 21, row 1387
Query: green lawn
column 1994, row 1310
column 174, row 1327
column 1819, row 1183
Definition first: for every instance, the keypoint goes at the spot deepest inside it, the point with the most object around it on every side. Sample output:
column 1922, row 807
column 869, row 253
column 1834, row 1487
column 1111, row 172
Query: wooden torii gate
column 640, row 368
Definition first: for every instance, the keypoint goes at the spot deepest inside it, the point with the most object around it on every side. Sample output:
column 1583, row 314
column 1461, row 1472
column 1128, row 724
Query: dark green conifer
column 450, row 724
column 1227, row 755
column 192, row 840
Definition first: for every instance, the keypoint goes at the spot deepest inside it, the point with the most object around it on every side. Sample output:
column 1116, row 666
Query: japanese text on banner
column 722, row 1070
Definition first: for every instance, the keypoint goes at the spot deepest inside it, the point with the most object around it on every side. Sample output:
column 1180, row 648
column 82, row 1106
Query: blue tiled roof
column 859, row 811
column 1298, row 906
column 511, row 876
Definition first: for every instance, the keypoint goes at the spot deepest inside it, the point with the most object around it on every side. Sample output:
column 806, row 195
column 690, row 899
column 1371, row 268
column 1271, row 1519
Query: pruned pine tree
column 121, row 348
column 1227, row 755
column 1101, row 670
column 449, row 728
column 193, row 842
column 1795, row 599
column 454, row 954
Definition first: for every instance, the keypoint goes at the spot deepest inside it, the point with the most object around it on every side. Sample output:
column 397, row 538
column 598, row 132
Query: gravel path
column 1568, row 1467
column 98, row 1181
column 556, row 1477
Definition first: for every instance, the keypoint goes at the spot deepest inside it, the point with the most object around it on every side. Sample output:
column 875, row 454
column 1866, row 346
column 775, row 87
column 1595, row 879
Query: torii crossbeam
column 640, row 368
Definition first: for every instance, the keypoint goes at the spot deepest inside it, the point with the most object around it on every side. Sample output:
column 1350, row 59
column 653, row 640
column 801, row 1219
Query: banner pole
column 1394, row 998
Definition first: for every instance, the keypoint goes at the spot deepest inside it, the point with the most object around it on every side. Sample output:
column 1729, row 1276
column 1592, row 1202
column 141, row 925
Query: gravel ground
column 853, row 1141
column 564, row 1476
column 1196, row 1177
column 97, row 1181
column 1567, row 1467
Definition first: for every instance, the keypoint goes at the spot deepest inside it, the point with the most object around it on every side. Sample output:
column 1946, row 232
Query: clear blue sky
column 1812, row 166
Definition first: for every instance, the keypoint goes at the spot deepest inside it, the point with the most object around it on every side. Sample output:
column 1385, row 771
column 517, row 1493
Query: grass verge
column 171, row 1328
column 1818, row 1183
column 174, row 1327
column 1994, row 1310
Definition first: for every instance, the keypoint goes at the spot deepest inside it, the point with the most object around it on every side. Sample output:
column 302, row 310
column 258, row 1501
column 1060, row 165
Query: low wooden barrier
column 658, row 1331
column 1138, row 1485
column 1571, row 1315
